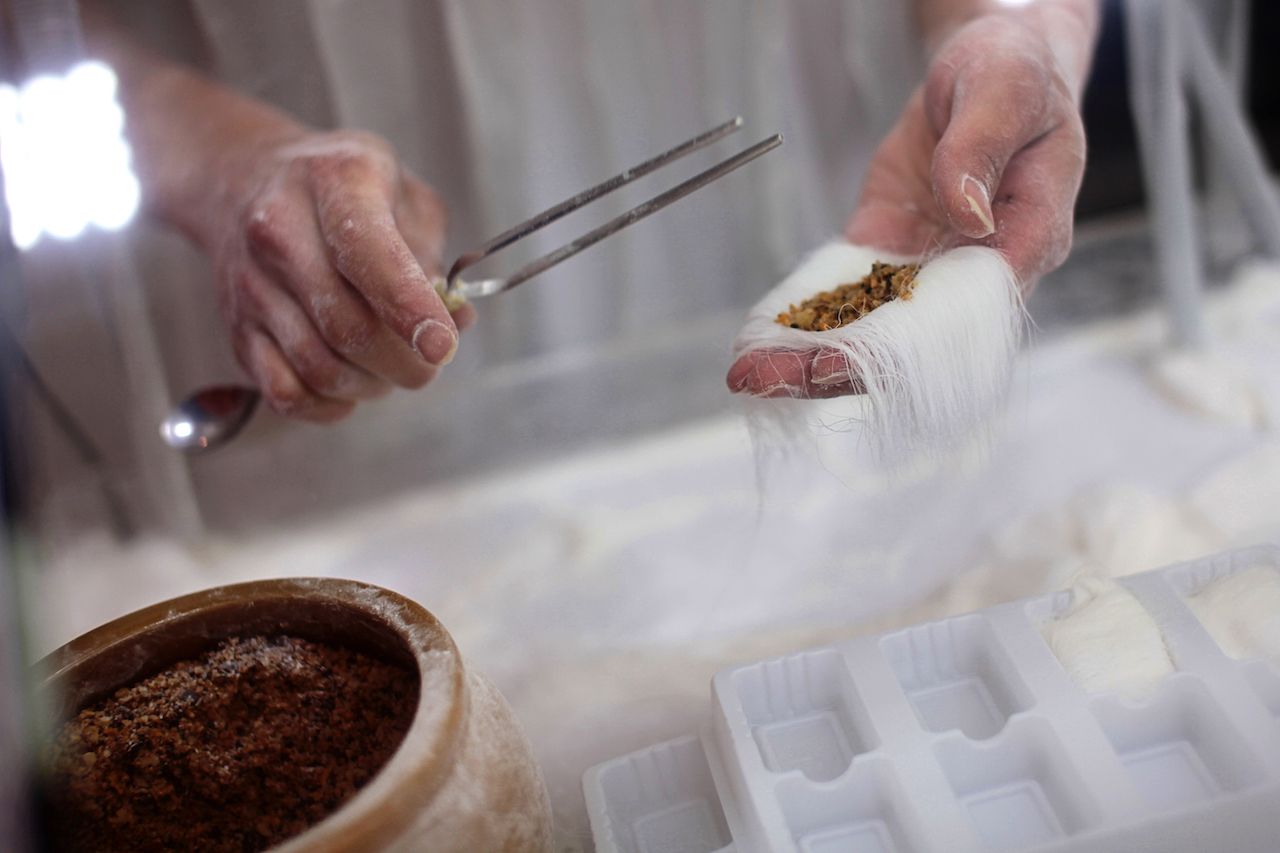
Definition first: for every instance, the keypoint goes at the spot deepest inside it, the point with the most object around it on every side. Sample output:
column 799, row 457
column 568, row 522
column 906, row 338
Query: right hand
column 325, row 252
column 989, row 151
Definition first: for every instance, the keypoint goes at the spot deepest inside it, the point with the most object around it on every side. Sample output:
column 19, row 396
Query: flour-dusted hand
column 324, row 247
column 325, row 253
column 989, row 151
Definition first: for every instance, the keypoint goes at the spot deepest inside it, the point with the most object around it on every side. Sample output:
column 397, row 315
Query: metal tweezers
column 455, row 287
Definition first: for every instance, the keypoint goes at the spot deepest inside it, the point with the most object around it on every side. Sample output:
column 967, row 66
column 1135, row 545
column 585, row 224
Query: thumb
column 982, row 131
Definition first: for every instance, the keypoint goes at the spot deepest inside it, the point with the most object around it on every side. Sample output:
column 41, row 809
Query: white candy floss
column 934, row 367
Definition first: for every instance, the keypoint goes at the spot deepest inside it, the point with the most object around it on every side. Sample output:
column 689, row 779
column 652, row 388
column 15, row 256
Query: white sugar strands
column 932, row 368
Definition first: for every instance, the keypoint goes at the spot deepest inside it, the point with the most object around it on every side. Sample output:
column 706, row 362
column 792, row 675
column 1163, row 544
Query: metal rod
column 551, row 214
column 639, row 212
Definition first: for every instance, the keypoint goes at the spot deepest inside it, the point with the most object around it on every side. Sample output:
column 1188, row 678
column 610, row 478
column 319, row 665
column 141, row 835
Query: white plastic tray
column 965, row 735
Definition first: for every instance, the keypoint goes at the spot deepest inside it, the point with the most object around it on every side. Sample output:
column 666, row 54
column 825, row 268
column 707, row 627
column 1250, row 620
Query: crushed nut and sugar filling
column 832, row 309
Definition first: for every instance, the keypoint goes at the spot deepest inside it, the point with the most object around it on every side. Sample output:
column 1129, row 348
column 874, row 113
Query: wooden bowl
column 463, row 779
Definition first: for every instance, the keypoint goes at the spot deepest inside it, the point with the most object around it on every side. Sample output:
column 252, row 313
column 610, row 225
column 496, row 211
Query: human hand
column 325, row 251
column 989, row 151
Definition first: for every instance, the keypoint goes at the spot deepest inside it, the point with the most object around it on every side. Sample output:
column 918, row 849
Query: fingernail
column 828, row 369
column 435, row 342
column 979, row 203
column 779, row 389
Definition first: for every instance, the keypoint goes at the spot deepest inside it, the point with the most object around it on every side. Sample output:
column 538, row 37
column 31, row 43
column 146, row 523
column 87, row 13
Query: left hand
column 989, row 151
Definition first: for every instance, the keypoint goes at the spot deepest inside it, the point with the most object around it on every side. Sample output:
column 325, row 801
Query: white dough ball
column 1242, row 613
column 1107, row 642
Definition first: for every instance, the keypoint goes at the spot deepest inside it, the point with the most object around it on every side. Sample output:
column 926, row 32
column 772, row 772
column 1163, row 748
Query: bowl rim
column 426, row 755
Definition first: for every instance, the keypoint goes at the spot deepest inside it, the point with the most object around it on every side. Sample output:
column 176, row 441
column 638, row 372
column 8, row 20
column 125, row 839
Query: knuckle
column 321, row 372
column 267, row 230
column 346, row 156
column 286, row 398
column 349, row 332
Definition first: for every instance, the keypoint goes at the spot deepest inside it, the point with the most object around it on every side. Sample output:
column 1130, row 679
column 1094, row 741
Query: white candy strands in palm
column 934, row 367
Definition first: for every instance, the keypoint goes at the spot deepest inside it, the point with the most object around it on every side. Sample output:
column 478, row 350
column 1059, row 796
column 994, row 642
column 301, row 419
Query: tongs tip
column 454, row 287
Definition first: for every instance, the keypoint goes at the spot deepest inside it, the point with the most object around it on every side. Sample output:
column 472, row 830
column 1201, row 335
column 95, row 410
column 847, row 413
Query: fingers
column 1010, row 152
column 895, row 210
column 341, row 316
column 281, row 387
column 1035, row 208
column 354, row 206
column 818, row 374
column 326, row 280
column 464, row 316
column 422, row 218
column 326, row 374
column 992, row 113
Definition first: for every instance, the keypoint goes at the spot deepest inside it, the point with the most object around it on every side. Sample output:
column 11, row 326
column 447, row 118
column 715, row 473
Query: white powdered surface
column 1208, row 384
column 1242, row 612
column 602, row 592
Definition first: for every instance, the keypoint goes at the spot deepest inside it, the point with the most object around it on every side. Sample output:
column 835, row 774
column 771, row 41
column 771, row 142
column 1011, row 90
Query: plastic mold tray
column 966, row 735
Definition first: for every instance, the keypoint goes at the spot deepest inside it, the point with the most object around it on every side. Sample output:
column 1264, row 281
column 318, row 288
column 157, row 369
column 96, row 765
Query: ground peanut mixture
column 832, row 309
column 237, row 750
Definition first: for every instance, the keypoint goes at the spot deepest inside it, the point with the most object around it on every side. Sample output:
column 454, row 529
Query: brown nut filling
column 832, row 309
column 238, row 749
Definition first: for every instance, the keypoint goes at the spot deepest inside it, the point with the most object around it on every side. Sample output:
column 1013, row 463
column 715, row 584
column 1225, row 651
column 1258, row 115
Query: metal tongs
column 214, row 415
column 456, row 289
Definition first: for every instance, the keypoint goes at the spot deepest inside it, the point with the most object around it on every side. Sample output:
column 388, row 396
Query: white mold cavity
column 805, row 713
column 1180, row 749
column 864, row 812
column 957, row 676
column 1019, row 790
column 661, row 800
column 1265, row 681
column 1107, row 641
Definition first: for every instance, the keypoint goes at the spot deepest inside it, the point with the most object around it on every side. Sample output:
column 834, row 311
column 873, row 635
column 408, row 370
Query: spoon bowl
column 209, row 418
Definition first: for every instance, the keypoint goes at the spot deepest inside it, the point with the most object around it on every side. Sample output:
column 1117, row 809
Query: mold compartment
column 661, row 800
column 862, row 813
column 957, row 676
column 1265, row 681
column 1240, row 609
column 1104, row 638
column 1180, row 748
column 1019, row 790
column 805, row 714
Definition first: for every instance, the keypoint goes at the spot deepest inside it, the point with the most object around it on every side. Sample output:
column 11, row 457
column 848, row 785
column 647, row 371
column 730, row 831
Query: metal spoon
column 209, row 418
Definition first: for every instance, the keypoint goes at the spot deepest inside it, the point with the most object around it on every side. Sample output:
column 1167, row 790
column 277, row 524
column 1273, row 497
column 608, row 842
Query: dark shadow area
column 1113, row 179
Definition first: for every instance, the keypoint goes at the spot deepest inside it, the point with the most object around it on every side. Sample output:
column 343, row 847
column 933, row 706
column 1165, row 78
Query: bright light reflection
column 183, row 430
column 65, row 160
